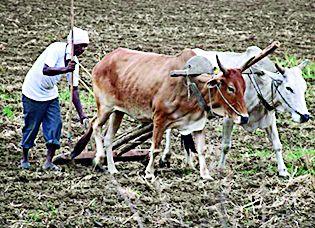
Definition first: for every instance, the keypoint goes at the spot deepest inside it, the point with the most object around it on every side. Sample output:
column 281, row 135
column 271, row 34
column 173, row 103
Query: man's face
column 79, row 49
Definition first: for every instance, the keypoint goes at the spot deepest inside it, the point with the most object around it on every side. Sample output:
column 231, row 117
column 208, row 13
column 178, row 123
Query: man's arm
column 77, row 103
column 52, row 71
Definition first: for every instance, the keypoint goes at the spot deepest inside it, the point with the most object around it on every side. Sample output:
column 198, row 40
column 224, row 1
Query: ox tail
column 188, row 143
column 84, row 140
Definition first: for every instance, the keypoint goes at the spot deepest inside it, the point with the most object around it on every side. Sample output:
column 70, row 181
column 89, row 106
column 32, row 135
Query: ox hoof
column 149, row 176
column 97, row 164
column 97, row 161
column 192, row 166
column 113, row 170
column 283, row 173
column 221, row 167
column 206, row 177
column 164, row 164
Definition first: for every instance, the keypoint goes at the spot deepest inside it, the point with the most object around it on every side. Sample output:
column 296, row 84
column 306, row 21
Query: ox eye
column 290, row 89
column 231, row 89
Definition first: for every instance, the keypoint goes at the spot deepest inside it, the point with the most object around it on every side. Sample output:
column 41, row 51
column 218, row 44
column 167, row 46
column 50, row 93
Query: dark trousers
column 36, row 113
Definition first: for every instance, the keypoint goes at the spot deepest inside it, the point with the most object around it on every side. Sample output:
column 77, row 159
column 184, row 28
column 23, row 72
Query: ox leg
column 273, row 136
column 226, row 140
column 102, row 116
column 201, row 149
column 189, row 150
column 114, row 123
column 158, row 131
column 164, row 161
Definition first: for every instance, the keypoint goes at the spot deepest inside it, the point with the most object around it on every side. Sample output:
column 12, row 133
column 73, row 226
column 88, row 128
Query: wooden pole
column 71, row 76
column 132, row 135
column 268, row 50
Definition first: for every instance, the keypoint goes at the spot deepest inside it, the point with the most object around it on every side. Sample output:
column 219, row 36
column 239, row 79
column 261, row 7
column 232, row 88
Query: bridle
column 191, row 86
column 274, row 84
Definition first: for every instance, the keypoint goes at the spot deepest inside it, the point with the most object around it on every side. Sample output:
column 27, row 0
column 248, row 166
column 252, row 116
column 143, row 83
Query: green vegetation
column 292, row 61
column 249, row 171
column 302, row 161
column 299, row 160
column 260, row 133
column 40, row 215
column 86, row 97
column 50, row 37
column 64, row 95
column 7, row 111
column 299, row 153
column 263, row 153
column 4, row 96
column 2, row 69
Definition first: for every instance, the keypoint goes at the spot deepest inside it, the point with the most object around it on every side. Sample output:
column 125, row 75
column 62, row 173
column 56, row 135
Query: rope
column 274, row 84
column 285, row 101
column 228, row 103
column 86, row 71
column 86, row 86
column 201, row 101
column 259, row 93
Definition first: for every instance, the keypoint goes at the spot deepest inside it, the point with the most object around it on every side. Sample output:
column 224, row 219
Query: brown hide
column 139, row 84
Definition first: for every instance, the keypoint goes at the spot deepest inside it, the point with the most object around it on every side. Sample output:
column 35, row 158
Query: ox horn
column 280, row 68
column 222, row 68
column 268, row 50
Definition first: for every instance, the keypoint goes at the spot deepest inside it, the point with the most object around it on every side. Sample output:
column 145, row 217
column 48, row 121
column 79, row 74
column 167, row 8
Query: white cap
column 80, row 36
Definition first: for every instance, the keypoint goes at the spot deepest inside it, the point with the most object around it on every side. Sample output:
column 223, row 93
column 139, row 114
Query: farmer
column 40, row 95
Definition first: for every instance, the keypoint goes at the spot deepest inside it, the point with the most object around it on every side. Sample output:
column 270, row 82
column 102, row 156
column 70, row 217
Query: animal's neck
column 189, row 97
column 208, row 94
column 264, row 86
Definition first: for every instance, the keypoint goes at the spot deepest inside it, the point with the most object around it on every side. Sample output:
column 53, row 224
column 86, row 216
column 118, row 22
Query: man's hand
column 71, row 66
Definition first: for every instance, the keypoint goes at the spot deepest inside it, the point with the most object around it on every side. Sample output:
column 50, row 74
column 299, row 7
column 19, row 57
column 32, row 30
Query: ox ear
column 213, row 82
column 303, row 64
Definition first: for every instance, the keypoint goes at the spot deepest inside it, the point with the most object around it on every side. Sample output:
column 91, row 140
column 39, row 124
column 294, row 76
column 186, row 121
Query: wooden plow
column 123, row 148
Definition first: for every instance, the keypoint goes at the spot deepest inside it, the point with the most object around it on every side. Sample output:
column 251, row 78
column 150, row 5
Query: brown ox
column 138, row 84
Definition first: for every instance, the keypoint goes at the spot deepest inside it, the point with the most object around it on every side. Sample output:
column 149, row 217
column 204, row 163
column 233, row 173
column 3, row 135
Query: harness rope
column 228, row 103
column 201, row 101
column 285, row 101
column 259, row 93
column 274, row 84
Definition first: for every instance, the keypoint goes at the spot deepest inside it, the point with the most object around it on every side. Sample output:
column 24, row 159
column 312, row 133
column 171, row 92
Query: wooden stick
column 138, row 141
column 71, row 77
column 86, row 86
column 86, row 71
column 268, row 50
column 128, row 132
column 133, row 135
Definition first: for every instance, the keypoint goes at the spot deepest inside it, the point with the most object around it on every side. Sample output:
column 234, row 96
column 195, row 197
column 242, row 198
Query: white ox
column 281, row 88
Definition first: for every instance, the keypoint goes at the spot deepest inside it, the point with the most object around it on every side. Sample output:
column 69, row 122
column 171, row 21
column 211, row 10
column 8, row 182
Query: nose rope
column 285, row 101
column 275, row 84
column 202, row 103
column 228, row 103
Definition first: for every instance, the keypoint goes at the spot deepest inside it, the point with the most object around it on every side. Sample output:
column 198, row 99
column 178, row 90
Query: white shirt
column 40, row 87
